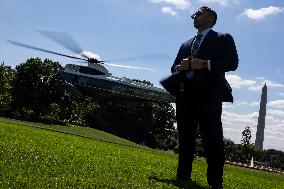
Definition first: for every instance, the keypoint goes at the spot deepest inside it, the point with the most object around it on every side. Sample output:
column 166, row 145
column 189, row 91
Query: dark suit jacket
column 220, row 49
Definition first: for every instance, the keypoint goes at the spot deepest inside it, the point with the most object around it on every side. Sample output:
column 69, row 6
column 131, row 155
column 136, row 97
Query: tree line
column 245, row 151
column 30, row 93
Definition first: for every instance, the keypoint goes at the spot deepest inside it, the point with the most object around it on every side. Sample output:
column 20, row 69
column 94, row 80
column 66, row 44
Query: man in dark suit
column 200, row 65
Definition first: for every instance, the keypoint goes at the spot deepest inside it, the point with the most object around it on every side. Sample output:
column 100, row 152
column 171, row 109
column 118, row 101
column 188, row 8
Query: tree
column 6, row 78
column 83, row 111
column 274, row 158
column 163, row 126
column 38, row 97
column 143, row 82
column 230, row 149
column 245, row 148
column 32, row 94
column 246, row 136
column 132, row 123
column 149, row 124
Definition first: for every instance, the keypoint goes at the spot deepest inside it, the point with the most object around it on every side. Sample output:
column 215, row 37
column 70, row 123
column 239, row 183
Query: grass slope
column 31, row 157
column 79, row 131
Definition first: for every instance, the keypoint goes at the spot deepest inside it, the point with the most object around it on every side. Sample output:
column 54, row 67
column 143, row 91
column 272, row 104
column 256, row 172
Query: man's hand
column 197, row 64
column 184, row 64
column 192, row 63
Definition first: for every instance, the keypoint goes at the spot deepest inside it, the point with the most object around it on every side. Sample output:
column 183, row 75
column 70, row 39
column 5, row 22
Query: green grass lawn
column 74, row 157
column 81, row 131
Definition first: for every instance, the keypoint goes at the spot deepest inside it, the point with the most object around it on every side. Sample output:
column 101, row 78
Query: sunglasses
column 198, row 13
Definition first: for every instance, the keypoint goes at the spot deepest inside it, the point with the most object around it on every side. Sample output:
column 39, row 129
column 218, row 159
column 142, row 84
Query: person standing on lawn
column 203, row 61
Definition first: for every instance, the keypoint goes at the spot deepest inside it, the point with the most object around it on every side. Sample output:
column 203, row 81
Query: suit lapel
column 187, row 49
column 206, row 41
column 190, row 44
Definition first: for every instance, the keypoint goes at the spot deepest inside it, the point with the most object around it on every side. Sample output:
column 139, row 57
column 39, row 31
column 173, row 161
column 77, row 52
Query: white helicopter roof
column 100, row 68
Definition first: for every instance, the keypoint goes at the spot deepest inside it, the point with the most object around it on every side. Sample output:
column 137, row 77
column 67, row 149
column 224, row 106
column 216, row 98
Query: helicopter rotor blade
column 44, row 50
column 145, row 57
column 63, row 39
column 67, row 41
column 130, row 67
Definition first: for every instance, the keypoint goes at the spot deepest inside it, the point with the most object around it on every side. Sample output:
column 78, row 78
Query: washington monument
column 261, row 119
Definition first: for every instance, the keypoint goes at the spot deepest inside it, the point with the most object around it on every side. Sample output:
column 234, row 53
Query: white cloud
column 278, row 113
column 232, row 118
column 274, row 130
column 227, row 105
column 269, row 118
column 240, row 103
column 278, row 104
column 260, row 78
column 255, row 103
column 237, row 82
column 259, row 14
column 179, row 4
column 234, row 124
column 255, row 88
column 281, row 94
column 279, row 71
column 169, row 10
column 272, row 84
column 233, row 134
column 246, row 104
column 220, row 2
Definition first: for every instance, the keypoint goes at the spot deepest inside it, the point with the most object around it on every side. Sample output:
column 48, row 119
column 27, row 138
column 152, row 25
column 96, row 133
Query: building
column 261, row 119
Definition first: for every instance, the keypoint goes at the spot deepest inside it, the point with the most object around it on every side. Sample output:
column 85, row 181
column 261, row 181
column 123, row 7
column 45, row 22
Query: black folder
column 172, row 83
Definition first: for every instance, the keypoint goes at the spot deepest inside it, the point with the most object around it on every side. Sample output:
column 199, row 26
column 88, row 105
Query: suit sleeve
column 227, row 60
column 177, row 60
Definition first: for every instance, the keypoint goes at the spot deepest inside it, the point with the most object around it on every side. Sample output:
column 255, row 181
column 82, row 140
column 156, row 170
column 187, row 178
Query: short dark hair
column 211, row 11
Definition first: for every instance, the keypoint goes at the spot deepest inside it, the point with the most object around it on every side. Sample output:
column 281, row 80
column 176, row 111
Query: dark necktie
column 195, row 47
column 196, row 44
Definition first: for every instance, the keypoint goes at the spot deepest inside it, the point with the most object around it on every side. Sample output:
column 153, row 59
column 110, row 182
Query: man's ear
column 211, row 20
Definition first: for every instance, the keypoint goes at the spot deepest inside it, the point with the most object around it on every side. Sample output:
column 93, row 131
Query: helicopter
column 96, row 80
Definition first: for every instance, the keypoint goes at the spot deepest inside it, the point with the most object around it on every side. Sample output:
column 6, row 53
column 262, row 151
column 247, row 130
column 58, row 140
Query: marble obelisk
column 261, row 119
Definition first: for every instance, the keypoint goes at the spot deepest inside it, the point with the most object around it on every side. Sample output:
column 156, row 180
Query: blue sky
column 122, row 28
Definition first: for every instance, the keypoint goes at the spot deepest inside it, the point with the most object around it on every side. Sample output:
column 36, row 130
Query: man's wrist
column 205, row 64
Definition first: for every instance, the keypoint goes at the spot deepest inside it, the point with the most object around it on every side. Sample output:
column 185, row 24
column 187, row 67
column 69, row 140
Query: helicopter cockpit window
column 90, row 71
